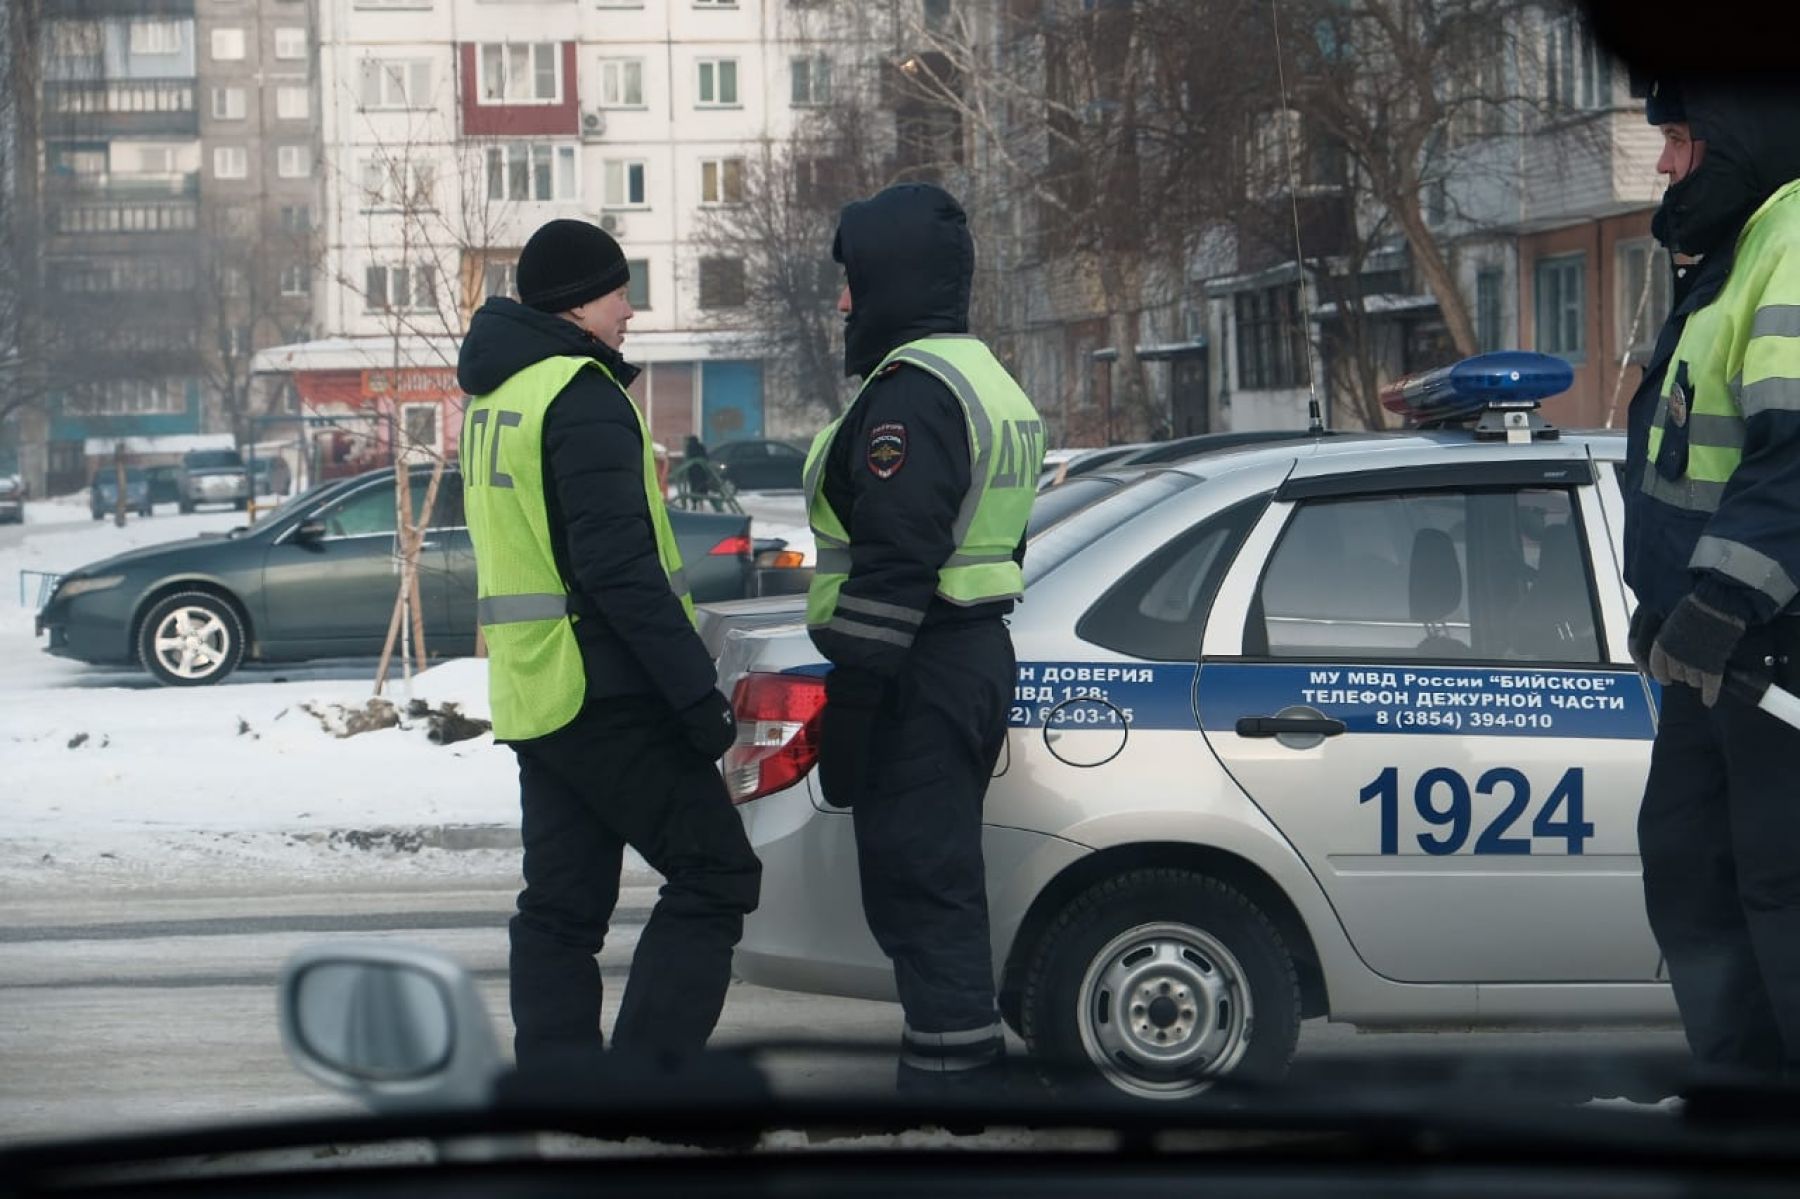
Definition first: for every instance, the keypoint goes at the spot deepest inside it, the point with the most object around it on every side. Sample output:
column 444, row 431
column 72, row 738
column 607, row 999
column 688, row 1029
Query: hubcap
column 1164, row 1009
column 192, row 643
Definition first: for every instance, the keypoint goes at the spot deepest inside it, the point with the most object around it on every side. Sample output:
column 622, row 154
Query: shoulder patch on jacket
column 887, row 449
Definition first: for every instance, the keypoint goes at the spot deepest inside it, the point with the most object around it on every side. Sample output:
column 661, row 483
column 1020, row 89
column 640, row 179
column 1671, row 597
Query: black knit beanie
column 567, row 263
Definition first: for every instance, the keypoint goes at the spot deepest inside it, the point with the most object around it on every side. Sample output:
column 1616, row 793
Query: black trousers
column 622, row 774
column 918, row 842
column 1719, row 834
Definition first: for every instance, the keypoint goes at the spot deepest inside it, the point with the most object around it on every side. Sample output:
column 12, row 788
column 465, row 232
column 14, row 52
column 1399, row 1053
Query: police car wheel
column 190, row 639
column 1159, row 982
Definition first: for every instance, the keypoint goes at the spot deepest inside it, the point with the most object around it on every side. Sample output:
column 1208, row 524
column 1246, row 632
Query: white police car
column 1342, row 727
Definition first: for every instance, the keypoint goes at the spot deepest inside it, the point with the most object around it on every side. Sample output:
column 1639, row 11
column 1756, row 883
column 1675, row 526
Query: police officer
column 1712, row 552
column 598, row 679
column 918, row 498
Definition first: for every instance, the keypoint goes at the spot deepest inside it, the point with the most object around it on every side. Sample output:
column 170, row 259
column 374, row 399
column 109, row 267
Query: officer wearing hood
column 1712, row 553
column 918, row 498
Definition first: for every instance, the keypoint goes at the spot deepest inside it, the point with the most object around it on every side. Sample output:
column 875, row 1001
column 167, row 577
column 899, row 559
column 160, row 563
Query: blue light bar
column 1502, row 380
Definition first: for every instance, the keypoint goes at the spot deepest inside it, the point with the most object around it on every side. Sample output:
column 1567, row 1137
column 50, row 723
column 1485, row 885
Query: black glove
column 710, row 726
column 1642, row 635
column 1693, row 647
column 847, row 732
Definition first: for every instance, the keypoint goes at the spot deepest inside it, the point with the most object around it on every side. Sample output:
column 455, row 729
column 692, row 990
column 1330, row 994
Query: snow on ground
column 103, row 771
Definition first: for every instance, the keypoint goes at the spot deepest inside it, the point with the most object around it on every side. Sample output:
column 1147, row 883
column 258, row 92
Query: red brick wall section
column 672, row 404
column 519, row 120
column 1597, row 377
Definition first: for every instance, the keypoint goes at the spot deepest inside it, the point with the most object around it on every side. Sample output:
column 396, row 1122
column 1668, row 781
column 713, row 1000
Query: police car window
column 1493, row 575
column 1064, row 539
column 448, row 512
column 1158, row 611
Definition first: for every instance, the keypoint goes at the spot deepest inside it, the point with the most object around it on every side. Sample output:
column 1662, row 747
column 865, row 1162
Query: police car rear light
column 778, row 728
column 738, row 547
column 1506, row 380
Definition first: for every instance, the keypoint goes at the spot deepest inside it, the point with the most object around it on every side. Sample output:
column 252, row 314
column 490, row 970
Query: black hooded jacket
column 910, row 263
column 1751, row 128
column 635, row 638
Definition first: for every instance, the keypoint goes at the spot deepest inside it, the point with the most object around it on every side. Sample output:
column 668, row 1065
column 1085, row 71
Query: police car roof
column 1346, row 451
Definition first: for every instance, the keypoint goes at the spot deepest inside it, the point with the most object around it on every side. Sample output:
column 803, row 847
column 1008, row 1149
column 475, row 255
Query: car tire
column 1172, row 944
column 215, row 652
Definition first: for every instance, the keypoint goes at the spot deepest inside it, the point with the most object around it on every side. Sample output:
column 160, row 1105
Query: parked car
column 12, row 500
column 315, row 579
column 103, row 495
column 760, row 465
column 213, row 477
column 165, row 484
column 1335, row 727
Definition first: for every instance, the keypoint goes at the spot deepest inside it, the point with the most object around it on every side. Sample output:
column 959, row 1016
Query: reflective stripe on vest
column 536, row 681
column 1006, row 450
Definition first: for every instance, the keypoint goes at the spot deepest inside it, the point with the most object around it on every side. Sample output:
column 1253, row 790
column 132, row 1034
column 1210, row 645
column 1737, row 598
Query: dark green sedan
column 316, row 578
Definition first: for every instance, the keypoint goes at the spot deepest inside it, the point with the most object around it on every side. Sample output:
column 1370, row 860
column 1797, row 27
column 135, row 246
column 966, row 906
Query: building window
column 500, row 279
column 810, row 80
column 293, row 103
column 715, row 3
column 1643, row 303
column 937, row 15
column 290, row 42
column 1488, row 284
column 129, row 397
column 718, row 83
column 155, row 37
column 622, row 83
column 296, row 218
column 1271, row 343
column 1561, row 294
column 230, row 162
column 293, row 162
column 523, row 74
column 721, row 283
column 229, row 103
column 394, row 183
column 531, row 171
column 637, row 292
column 722, row 181
column 228, row 44
column 399, row 289
column 394, row 83
column 296, row 279
column 1577, row 72
column 625, row 185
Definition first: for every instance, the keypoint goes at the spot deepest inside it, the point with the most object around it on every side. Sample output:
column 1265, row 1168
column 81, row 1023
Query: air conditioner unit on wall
column 593, row 123
column 612, row 224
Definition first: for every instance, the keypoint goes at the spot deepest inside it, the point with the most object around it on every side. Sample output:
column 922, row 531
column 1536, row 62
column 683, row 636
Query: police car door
column 1420, row 700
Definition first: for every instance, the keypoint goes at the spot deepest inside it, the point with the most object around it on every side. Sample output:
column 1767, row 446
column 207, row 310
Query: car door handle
column 1276, row 726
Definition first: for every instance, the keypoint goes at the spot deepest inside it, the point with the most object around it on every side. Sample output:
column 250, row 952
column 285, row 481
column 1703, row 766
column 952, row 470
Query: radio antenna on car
column 1315, row 422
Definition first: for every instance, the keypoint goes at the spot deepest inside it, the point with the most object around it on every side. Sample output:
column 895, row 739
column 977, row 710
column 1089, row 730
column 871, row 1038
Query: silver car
column 1341, row 728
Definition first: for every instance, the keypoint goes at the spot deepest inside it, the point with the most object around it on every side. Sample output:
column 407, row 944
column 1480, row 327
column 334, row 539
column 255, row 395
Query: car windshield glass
column 213, row 458
column 1057, row 502
column 1180, row 774
column 1056, row 544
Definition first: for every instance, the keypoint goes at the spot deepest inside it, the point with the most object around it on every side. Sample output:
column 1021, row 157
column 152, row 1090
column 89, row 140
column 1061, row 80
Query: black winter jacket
column 910, row 264
column 635, row 639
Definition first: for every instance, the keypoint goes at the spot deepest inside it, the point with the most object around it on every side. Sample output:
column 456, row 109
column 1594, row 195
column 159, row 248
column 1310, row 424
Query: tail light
column 778, row 733
column 781, row 559
column 732, row 547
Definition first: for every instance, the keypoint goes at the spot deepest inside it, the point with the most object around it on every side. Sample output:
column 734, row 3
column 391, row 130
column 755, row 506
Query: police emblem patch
column 887, row 449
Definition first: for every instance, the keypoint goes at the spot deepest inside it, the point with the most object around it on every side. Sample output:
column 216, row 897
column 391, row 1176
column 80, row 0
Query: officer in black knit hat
column 597, row 676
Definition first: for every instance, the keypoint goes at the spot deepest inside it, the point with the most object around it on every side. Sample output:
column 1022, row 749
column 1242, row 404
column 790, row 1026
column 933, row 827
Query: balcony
column 101, row 216
column 96, row 9
column 120, row 107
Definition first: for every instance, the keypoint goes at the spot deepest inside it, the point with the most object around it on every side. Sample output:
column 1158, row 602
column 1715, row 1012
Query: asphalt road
column 130, row 1009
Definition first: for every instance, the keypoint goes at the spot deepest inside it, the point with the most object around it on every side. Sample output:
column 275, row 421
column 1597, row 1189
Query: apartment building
column 454, row 128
